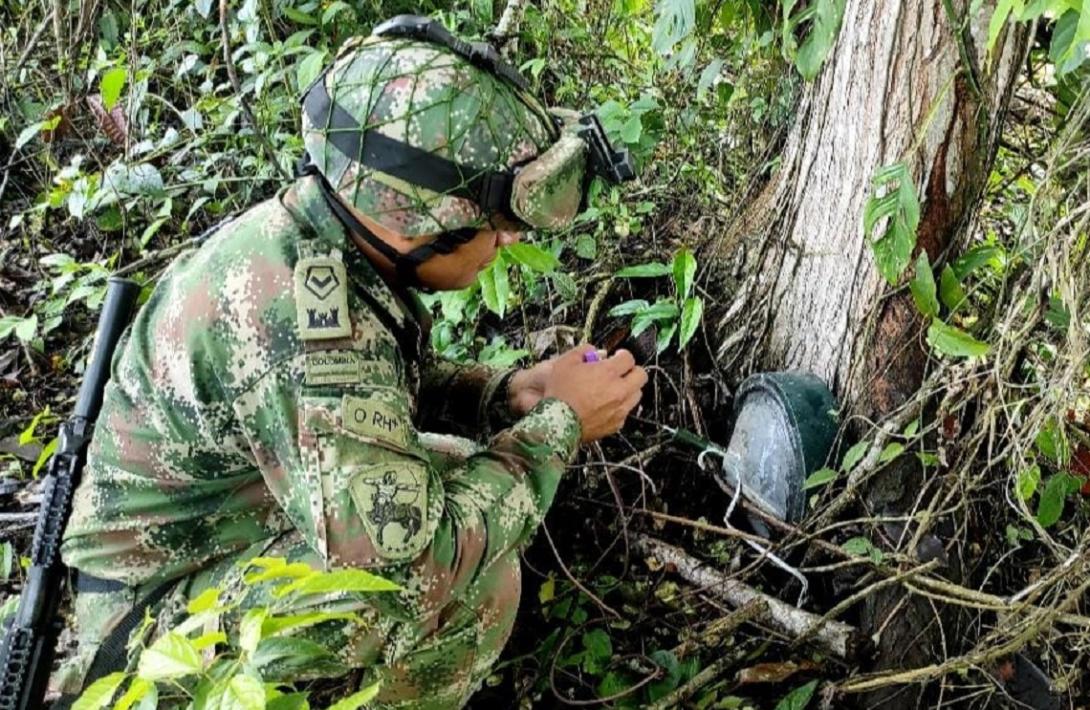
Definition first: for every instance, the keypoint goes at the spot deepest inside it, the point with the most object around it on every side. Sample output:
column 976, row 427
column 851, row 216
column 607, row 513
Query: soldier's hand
column 601, row 393
column 527, row 387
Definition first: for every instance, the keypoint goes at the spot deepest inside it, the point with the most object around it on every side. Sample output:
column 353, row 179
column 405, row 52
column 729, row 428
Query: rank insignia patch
column 392, row 500
column 321, row 298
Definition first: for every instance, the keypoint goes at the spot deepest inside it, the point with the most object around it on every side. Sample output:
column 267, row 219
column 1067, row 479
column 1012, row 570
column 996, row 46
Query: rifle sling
column 112, row 655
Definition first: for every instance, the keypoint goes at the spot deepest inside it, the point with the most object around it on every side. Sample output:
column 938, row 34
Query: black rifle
column 26, row 656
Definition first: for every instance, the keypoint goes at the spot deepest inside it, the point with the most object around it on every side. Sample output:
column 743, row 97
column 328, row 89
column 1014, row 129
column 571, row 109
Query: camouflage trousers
column 438, row 662
column 431, row 663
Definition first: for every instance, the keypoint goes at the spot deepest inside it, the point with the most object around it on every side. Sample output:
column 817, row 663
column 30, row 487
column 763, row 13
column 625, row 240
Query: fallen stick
column 835, row 637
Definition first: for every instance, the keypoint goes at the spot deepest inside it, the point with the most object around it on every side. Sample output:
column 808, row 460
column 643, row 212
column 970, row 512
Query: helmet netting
column 430, row 98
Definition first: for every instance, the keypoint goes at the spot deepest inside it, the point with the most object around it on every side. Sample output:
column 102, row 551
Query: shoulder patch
column 321, row 298
column 392, row 500
column 377, row 419
column 332, row 367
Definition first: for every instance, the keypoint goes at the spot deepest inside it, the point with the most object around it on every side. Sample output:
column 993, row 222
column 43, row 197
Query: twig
column 571, row 577
column 595, row 306
column 698, row 681
column 508, row 26
column 837, row 638
column 233, row 76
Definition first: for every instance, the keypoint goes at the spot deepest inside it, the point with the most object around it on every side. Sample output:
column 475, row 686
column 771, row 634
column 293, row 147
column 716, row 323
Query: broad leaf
column 798, row 698
column 820, row 478
column 684, row 273
column 1028, row 479
column 854, row 456
column 241, row 692
column 624, row 309
column 643, row 271
column 100, row 693
column 203, row 601
column 899, row 206
column 309, row 68
column 1051, row 505
column 281, row 624
column 110, row 86
column 357, row 700
column 138, row 690
column 340, row 581
column 249, row 631
column 691, row 314
column 533, row 257
column 171, row 656
column 285, row 657
column 950, row 290
column 923, row 287
column 825, row 16
column 953, row 341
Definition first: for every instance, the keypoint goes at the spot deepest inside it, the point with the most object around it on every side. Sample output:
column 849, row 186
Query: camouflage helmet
column 413, row 99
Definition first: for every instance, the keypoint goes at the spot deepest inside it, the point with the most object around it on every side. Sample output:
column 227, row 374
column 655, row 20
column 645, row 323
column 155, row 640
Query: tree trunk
column 905, row 82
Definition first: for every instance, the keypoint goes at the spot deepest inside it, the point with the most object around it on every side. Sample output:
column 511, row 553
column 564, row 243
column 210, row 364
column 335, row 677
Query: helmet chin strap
column 405, row 265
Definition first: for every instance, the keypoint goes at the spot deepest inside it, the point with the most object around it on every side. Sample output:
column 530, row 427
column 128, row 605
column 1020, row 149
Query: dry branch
column 837, row 638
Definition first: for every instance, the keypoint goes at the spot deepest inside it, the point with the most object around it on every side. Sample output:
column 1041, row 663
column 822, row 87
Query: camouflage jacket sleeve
column 355, row 481
column 468, row 400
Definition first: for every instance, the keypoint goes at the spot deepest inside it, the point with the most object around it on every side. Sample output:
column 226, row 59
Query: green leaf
column 1051, row 505
column 854, row 456
column 286, row 657
column 23, row 328
column 825, row 16
column 900, row 207
column 110, row 86
column 798, row 698
column 357, row 700
column 978, row 256
column 100, row 693
column 1028, row 479
column 691, row 314
column 276, row 568
column 862, row 547
column 209, row 639
column 249, row 631
column 820, row 477
column 892, row 451
column 298, row 16
column 333, row 9
column 533, row 257
column 644, row 271
column 241, row 692
column 999, row 18
column 708, row 77
column 291, row 701
column 684, row 273
column 7, row 560
column 203, row 601
column 662, row 341
column 629, row 307
column 282, row 624
column 309, row 68
column 546, row 593
column 340, row 581
column 27, row 134
column 171, row 656
column 950, row 290
column 138, row 690
column 923, row 287
column 43, row 456
column 953, row 341
column 487, row 281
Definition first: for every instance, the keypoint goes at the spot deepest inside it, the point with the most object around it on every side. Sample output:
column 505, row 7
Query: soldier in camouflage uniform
column 274, row 396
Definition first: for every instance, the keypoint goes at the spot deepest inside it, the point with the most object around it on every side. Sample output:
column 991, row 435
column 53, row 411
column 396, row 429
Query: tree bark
column 907, row 82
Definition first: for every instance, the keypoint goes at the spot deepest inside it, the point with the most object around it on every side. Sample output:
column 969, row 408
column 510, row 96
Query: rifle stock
column 29, row 645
